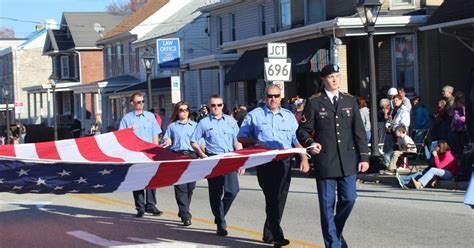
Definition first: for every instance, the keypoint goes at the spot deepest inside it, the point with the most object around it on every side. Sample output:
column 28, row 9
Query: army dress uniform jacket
column 340, row 132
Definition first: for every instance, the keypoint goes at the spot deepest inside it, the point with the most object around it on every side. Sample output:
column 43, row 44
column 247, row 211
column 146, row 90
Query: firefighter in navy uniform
column 340, row 150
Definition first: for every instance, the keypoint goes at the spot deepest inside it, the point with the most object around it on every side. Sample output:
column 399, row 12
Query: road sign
column 18, row 107
column 278, row 69
column 168, row 53
column 175, row 89
column 276, row 50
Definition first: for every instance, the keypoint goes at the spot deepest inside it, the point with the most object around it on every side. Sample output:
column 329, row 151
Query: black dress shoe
column 187, row 222
column 343, row 242
column 221, row 232
column 140, row 213
column 154, row 211
column 280, row 243
column 267, row 240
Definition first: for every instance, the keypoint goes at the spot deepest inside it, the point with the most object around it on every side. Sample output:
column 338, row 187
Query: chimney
column 51, row 24
column 39, row 27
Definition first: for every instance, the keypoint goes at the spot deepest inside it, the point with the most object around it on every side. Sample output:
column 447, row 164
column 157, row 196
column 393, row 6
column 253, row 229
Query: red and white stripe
column 152, row 166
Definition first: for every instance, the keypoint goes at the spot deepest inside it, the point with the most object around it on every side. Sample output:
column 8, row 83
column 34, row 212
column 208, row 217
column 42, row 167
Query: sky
column 39, row 10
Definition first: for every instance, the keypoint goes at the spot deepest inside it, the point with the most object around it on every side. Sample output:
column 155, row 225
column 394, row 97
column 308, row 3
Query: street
column 384, row 216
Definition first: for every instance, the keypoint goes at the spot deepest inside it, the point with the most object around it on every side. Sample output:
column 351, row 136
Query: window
column 76, row 66
column 261, row 16
column 137, row 59
column 404, row 63
column 64, row 67
column 402, row 3
column 120, row 59
column 108, row 63
column 232, row 27
column 53, row 64
column 314, row 11
column 285, row 13
column 220, row 35
column 131, row 58
column 66, row 103
column 113, row 59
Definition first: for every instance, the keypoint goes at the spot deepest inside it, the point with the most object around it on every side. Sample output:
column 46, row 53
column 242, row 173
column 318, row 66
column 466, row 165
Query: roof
column 452, row 10
column 81, row 25
column 184, row 16
column 136, row 18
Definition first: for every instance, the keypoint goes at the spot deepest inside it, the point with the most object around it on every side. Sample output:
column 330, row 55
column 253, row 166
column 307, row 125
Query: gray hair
column 448, row 88
column 383, row 102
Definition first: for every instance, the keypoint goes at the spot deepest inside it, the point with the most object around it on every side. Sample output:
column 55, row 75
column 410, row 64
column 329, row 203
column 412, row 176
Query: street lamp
column 52, row 82
column 148, row 59
column 5, row 99
column 368, row 13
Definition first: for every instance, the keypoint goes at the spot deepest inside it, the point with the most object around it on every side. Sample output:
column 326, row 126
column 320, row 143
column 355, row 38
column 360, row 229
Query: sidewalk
column 392, row 180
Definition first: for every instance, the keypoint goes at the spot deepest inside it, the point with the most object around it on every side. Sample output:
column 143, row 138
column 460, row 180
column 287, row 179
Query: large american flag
column 111, row 162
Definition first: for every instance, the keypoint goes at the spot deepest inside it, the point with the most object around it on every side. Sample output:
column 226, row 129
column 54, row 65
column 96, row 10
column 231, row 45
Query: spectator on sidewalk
column 420, row 114
column 365, row 114
column 404, row 144
column 405, row 101
column 440, row 122
column 446, row 166
column 402, row 114
column 240, row 114
column 458, row 125
column 447, row 94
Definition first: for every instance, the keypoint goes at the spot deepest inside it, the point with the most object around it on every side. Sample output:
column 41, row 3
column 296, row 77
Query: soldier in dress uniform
column 340, row 150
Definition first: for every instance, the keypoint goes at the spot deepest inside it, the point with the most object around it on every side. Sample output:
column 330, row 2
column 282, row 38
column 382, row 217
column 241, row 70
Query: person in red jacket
column 446, row 166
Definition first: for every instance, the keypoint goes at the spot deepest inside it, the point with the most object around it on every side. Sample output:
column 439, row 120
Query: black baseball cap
column 329, row 69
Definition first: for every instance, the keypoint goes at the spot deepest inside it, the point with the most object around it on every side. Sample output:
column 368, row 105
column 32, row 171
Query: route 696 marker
column 278, row 69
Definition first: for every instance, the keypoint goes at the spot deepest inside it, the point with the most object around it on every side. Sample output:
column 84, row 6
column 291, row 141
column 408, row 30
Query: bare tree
column 7, row 33
column 124, row 7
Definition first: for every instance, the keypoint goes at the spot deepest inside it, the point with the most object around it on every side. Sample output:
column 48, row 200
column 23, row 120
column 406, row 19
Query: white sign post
column 175, row 89
column 277, row 65
column 18, row 108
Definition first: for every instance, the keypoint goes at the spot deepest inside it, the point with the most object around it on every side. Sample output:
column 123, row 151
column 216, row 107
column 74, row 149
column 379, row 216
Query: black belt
column 187, row 153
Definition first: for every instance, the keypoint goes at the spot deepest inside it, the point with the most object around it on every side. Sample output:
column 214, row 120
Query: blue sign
column 168, row 53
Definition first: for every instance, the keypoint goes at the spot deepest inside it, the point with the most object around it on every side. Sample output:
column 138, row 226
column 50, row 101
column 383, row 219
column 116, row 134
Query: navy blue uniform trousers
column 222, row 192
column 274, row 178
column 184, row 192
column 140, row 196
column 332, row 225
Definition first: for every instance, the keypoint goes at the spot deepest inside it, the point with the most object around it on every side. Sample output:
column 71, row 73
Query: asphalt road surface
column 384, row 216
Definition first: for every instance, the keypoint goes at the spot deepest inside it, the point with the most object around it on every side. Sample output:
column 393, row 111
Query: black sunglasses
column 139, row 102
column 273, row 96
column 217, row 105
column 182, row 110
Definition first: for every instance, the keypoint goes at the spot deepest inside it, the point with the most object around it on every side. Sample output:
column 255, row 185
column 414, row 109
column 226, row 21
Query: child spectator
column 404, row 143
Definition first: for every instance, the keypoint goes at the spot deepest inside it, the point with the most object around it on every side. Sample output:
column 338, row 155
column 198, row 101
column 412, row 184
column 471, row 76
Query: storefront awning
column 156, row 84
column 308, row 55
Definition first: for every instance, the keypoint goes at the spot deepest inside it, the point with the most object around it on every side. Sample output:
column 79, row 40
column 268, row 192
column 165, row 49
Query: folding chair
column 419, row 138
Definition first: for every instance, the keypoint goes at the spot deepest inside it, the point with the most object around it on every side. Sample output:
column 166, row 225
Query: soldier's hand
column 304, row 166
column 315, row 148
column 363, row 166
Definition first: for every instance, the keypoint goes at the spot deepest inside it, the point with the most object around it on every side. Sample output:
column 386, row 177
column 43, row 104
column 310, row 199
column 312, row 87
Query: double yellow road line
column 111, row 201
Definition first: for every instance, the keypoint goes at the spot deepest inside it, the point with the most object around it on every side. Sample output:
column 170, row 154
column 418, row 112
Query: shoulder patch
column 346, row 94
column 315, row 95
